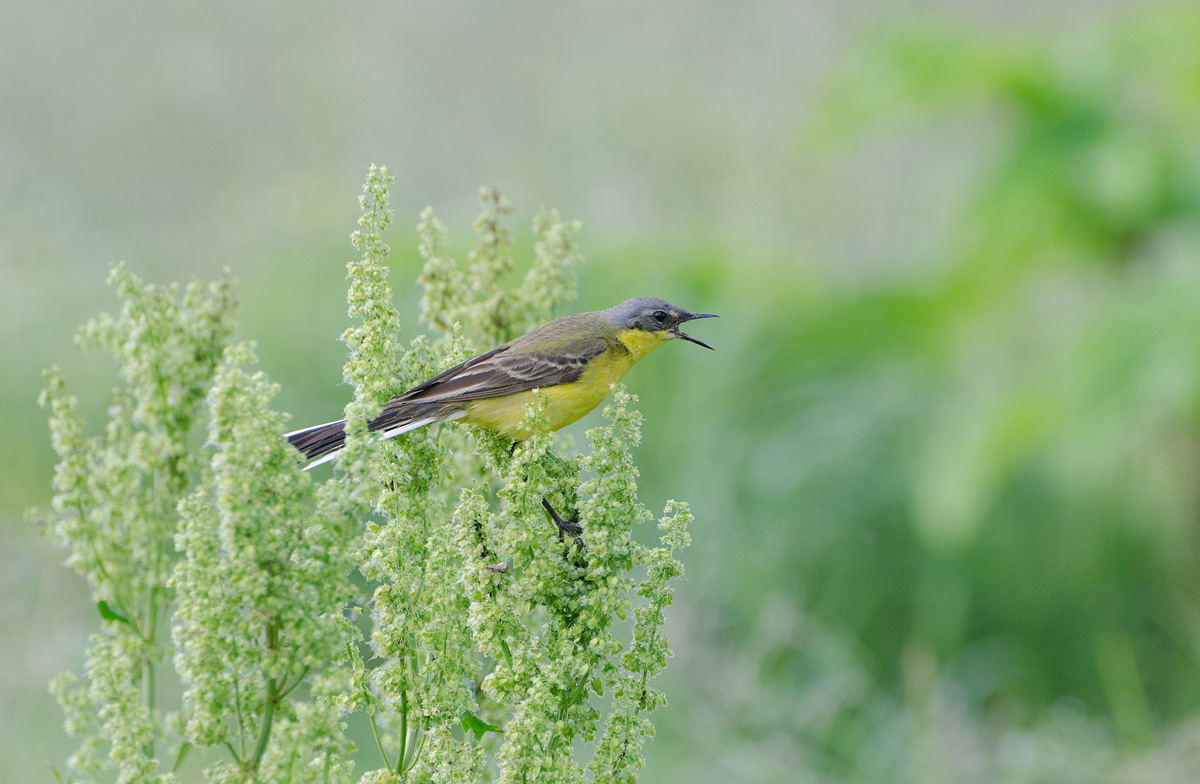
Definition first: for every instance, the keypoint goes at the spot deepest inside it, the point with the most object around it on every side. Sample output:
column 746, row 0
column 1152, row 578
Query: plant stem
column 184, row 748
column 264, row 731
column 403, row 730
column 379, row 743
column 299, row 680
column 149, row 681
column 237, row 703
column 148, row 695
column 415, row 751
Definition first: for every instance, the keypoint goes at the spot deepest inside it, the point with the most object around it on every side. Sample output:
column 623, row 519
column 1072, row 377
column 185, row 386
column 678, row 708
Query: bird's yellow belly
column 568, row 402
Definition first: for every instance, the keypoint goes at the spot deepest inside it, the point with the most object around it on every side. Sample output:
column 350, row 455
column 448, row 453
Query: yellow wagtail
column 573, row 359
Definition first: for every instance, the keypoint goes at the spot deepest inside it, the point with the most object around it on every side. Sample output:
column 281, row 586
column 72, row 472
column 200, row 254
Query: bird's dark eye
column 660, row 316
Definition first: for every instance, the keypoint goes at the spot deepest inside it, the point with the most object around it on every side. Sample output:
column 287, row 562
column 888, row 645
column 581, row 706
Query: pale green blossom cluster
column 493, row 638
column 114, row 509
column 477, row 298
column 261, row 589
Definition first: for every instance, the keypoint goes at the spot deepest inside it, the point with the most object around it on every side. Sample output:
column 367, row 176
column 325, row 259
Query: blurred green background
column 945, row 459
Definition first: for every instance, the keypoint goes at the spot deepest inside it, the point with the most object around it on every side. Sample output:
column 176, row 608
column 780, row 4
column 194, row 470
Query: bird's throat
column 640, row 342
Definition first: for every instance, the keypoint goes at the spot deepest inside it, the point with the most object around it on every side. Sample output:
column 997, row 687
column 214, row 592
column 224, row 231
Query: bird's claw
column 570, row 526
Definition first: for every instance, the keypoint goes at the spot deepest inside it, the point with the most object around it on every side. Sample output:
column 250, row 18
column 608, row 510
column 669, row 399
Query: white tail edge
column 382, row 435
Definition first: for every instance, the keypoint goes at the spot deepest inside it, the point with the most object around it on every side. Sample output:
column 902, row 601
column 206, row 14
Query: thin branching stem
column 237, row 703
column 403, row 727
column 264, row 730
column 379, row 741
column 184, row 748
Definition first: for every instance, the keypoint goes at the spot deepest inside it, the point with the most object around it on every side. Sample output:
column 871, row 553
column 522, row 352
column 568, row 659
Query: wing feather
column 502, row 371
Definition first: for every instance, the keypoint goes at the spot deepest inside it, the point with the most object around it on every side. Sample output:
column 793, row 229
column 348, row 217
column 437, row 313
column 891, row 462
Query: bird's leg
column 570, row 526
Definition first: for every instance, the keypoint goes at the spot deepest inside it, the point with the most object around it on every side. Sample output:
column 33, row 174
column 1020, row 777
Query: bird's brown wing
column 503, row 371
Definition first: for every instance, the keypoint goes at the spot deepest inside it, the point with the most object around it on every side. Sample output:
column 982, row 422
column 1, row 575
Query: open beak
column 691, row 317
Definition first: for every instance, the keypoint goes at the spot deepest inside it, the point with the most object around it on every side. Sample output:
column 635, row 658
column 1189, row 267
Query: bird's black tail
column 323, row 441
column 320, row 440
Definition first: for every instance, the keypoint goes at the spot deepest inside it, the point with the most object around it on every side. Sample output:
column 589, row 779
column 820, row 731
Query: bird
column 574, row 360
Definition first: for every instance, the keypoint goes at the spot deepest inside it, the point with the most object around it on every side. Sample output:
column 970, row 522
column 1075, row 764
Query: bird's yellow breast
column 568, row 402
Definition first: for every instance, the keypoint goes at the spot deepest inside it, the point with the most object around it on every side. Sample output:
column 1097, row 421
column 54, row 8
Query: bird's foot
column 569, row 527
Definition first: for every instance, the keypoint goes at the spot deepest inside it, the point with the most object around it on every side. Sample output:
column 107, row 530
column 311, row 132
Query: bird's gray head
column 652, row 314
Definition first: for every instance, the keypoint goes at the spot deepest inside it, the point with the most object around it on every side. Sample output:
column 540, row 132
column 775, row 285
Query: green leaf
column 109, row 614
column 472, row 723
